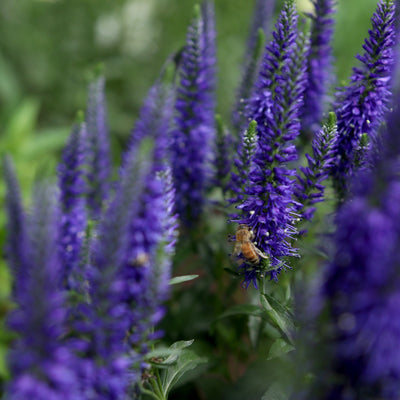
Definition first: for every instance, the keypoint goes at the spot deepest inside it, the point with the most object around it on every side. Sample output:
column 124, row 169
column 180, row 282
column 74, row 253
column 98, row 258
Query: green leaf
column 276, row 392
column 254, row 325
column 243, row 309
column 279, row 315
column 279, row 348
column 184, row 278
column 9, row 86
column 232, row 272
column 21, row 125
column 182, row 360
column 44, row 142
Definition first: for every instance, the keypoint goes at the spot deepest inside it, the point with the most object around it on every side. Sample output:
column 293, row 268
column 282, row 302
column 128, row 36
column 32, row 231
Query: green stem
column 160, row 387
column 148, row 392
column 156, row 391
column 261, row 284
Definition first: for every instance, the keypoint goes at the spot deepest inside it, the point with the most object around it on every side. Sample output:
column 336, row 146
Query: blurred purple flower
column 130, row 260
column 105, row 369
column 194, row 132
column 154, row 124
column 360, row 107
column 99, row 174
column 147, row 262
column 73, row 190
column 358, row 324
column 319, row 65
column 259, row 29
column 41, row 365
column 16, row 241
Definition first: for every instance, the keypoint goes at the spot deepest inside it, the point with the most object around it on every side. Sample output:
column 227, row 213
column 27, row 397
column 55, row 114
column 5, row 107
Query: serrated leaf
column 279, row 315
column 163, row 352
column 186, row 361
column 175, row 350
column 181, row 344
column 279, row 348
column 184, row 278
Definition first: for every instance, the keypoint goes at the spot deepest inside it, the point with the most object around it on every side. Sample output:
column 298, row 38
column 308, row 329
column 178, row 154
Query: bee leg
column 261, row 254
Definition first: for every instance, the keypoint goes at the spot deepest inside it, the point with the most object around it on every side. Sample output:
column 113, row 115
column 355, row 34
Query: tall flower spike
column 16, row 242
column 165, row 248
column 98, row 137
column 193, row 134
column 210, row 49
column 106, row 366
column 154, row 122
column 275, row 106
column 309, row 189
column 259, row 29
column 125, row 281
column 145, row 271
column 358, row 325
column 396, row 69
column 319, row 65
column 361, row 105
column 42, row 367
column 243, row 163
column 73, row 190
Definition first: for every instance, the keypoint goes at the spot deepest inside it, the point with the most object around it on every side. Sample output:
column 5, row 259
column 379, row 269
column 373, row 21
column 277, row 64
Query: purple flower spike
column 262, row 16
column 243, row 164
column 269, row 209
column 165, row 248
column 309, row 189
column 259, row 29
column 73, row 190
column 42, row 367
column 130, row 259
column 106, row 368
column 361, row 105
column 319, row 65
column 140, row 266
column 16, row 228
column 194, row 132
column 100, row 158
column 155, row 123
column 146, row 265
column 210, row 49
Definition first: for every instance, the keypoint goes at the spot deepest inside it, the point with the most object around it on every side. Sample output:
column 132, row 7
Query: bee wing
column 238, row 248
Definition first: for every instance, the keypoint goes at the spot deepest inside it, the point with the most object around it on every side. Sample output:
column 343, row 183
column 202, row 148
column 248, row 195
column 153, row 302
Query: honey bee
column 244, row 245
